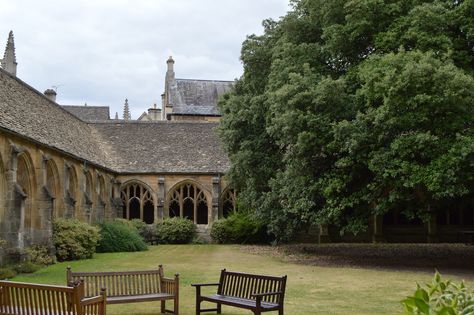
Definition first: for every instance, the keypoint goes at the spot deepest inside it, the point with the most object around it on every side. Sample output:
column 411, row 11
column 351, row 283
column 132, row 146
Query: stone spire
column 9, row 59
column 116, row 115
column 126, row 111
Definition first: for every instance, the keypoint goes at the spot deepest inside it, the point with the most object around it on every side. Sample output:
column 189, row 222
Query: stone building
column 76, row 162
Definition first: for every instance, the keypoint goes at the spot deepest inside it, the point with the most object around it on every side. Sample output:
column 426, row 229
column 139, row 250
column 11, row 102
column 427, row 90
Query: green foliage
column 74, row 239
column 3, row 243
column 240, row 227
column 352, row 108
column 440, row 298
column 175, row 231
column 39, row 255
column 26, row 267
column 7, row 273
column 120, row 236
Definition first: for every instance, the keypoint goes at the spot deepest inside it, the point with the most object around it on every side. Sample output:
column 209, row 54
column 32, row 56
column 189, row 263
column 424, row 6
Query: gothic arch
column 3, row 193
column 138, row 201
column 102, row 197
column 188, row 199
column 25, row 194
column 52, row 185
column 71, row 190
column 227, row 202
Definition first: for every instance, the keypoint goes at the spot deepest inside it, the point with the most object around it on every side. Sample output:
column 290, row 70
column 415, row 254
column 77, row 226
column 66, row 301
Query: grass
column 310, row 289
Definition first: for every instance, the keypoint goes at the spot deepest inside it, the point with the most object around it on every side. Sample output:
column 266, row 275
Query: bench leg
column 198, row 307
column 280, row 311
column 163, row 307
column 219, row 308
column 176, row 306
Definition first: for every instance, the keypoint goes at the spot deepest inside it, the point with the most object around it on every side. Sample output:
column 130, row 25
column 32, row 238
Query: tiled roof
column 121, row 146
column 89, row 113
column 27, row 112
column 197, row 97
column 165, row 146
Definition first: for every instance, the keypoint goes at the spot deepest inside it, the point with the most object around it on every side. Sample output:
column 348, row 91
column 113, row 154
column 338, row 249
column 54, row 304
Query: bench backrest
column 119, row 283
column 38, row 299
column 243, row 285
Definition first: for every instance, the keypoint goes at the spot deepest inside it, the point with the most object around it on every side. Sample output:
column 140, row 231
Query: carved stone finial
column 126, row 111
column 116, row 116
column 8, row 62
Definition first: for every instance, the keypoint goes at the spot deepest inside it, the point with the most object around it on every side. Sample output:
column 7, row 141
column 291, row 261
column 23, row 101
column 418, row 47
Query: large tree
column 353, row 108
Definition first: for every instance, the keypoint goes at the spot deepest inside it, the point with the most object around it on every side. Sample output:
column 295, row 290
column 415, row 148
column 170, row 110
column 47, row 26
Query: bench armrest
column 266, row 294
column 92, row 300
column 204, row 284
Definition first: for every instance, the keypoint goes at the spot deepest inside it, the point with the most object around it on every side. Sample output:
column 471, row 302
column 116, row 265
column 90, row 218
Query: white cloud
column 102, row 52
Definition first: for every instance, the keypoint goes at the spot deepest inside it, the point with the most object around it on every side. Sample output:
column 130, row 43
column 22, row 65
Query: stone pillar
column 323, row 236
column 216, row 194
column 377, row 229
column 160, row 199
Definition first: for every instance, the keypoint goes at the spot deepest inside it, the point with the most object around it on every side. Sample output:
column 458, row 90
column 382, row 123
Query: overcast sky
column 102, row 52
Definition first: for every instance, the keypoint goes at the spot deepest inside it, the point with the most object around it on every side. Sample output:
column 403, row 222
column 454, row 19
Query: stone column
column 216, row 194
column 160, row 199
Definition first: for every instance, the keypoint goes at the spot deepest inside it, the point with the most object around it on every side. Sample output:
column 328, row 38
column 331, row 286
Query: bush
column 3, row 243
column 74, row 239
column 176, row 231
column 240, row 227
column 26, row 267
column 119, row 236
column 440, row 298
column 7, row 273
column 39, row 255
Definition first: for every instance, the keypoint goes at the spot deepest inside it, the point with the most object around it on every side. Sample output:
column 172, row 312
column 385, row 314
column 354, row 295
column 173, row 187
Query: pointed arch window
column 189, row 201
column 228, row 202
column 138, row 203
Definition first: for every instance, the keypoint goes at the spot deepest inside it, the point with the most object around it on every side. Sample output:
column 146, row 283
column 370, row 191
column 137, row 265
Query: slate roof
column 89, row 113
column 197, row 97
column 27, row 112
column 120, row 146
column 165, row 146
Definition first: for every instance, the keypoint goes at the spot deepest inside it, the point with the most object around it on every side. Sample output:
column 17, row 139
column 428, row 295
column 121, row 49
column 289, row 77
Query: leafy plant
column 74, row 239
column 7, row 273
column 241, row 227
column 26, row 267
column 176, row 231
column 39, row 254
column 440, row 298
column 119, row 236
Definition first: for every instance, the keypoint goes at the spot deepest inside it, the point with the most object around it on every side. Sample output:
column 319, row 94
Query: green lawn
column 310, row 289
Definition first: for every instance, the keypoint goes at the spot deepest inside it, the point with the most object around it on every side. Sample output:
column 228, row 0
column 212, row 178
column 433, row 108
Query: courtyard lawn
column 310, row 289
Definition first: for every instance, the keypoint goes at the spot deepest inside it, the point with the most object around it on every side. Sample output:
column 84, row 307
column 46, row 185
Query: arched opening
column 102, row 196
column 71, row 192
column 52, row 188
column 23, row 198
column 228, row 202
column 3, row 186
column 88, row 197
column 138, row 202
column 188, row 200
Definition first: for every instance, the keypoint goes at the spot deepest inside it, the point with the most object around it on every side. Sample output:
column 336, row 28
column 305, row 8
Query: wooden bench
column 20, row 298
column 253, row 292
column 131, row 286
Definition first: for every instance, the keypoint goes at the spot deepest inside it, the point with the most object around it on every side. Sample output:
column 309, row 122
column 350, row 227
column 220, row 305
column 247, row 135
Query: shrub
column 39, row 255
column 440, row 298
column 176, row 231
column 119, row 236
column 3, row 243
column 26, row 267
column 7, row 273
column 240, row 227
column 74, row 239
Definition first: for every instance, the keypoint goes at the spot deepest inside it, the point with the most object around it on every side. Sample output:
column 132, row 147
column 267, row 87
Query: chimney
column 51, row 94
